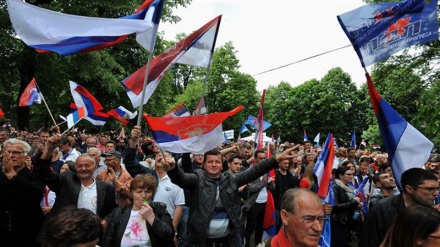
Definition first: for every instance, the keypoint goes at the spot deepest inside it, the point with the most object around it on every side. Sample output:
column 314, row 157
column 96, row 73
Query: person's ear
column 409, row 189
column 284, row 217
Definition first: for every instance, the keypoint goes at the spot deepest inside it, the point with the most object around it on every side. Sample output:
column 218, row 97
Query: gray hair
column 15, row 141
column 96, row 149
column 289, row 201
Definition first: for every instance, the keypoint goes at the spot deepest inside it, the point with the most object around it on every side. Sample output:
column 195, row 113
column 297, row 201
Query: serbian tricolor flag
column 92, row 107
column 122, row 115
column 405, row 145
column 30, row 94
column 193, row 134
column 66, row 34
column 324, row 165
column 379, row 30
column 194, row 50
column 75, row 117
column 96, row 118
column 178, row 111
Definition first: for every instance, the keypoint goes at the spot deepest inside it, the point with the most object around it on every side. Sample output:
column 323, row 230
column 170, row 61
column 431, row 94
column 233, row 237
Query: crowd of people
column 118, row 189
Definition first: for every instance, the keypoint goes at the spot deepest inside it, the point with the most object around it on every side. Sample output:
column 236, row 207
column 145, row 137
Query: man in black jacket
column 79, row 189
column 420, row 187
column 216, row 217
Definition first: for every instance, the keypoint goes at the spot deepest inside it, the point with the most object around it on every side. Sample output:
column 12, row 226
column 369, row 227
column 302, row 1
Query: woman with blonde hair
column 308, row 181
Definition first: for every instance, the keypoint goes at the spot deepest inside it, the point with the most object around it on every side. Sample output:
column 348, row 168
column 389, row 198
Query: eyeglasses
column 15, row 152
column 349, row 174
column 350, row 167
column 430, row 189
column 308, row 219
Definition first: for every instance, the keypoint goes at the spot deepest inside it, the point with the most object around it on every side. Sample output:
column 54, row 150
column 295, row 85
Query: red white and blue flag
column 122, row 115
column 92, row 107
column 178, row 111
column 405, row 145
column 50, row 31
column 192, row 134
column 30, row 94
column 194, row 50
column 379, row 30
column 201, row 107
column 324, row 165
column 75, row 117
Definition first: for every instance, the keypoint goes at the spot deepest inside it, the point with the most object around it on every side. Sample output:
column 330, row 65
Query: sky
column 270, row 34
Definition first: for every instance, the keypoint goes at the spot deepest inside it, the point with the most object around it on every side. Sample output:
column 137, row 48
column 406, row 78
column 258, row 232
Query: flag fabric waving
column 253, row 122
column 305, row 136
column 324, row 165
column 122, row 115
column 194, row 50
column 243, row 129
column 201, row 107
column 75, row 117
column 2, row 114
column 316, row 140
column 96, row 118
column 178, row 111
column 30, row 94
column 353, row 140
column 66, row 34
column 379, row 30
column 193, row 134
column 405, row 145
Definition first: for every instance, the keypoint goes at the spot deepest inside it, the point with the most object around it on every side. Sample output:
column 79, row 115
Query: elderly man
column 20, row 196
column 116, row 175
column 96, row 154
column 79, row 189
column 303, row 218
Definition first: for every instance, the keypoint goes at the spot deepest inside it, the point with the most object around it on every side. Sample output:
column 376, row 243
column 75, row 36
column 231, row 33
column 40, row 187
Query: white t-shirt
column 170, row 194
column 88, row 198
column 136, row 233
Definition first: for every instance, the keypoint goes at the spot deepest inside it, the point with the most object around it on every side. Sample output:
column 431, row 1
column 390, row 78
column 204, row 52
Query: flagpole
column 147, row 70
column 47, row 107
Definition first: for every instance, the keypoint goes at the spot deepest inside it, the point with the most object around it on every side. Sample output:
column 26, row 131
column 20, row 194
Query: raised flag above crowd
column 46, row 30
column 75, row 117
column 192, row 134
column 122, row 115
column 405, row 145
column 178, row 111
column 193, row 50
column 379, row 30
column 31, row 95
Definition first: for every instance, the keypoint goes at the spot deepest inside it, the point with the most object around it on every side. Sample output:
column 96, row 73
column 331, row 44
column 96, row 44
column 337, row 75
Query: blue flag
column 253, row 122
column 379, row 30
column 353, row 140
column 243, row 129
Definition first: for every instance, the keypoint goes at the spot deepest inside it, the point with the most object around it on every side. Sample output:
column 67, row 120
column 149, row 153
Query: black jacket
column 20, row 213
column 344, row 208
column 161, row 233
column 204, row 191
column 379, row 220
column 133, row 166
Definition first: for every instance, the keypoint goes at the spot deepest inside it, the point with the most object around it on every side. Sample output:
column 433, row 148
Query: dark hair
column 111, row 141
column 245, row 145
column 384, row 166
column 71, row 226
column 341, row 171
column 416, row 177
column 376, row 177
column 351, row 148
column 365, row 159
column 71, row 165
column 259, row 151
column 214, row 152
column 346, row 162
column 234, row 156
column 422, row 220
column 64, row 141
column 144, row 181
